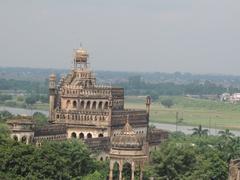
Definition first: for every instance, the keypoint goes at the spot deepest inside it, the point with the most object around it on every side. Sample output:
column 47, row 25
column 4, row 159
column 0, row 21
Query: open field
column 214, row 114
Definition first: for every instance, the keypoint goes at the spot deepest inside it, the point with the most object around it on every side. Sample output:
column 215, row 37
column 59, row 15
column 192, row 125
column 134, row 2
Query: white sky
column 199, row 36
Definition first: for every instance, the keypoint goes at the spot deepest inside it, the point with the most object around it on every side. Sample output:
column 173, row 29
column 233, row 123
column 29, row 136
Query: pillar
column 120, row 170
column 141, row 171
column 111, row 170
column 133, row 170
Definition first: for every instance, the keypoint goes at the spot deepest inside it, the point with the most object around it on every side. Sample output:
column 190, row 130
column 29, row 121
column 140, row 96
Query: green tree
column 167, row 102
column 199, row 131
column 4, row 115
column 226, row 134
column 40, row 118
column 30, row 100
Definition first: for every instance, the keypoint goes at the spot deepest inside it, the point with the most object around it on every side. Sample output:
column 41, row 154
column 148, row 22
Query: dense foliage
column 53, row 160
column 194, row 157
column 28, row 86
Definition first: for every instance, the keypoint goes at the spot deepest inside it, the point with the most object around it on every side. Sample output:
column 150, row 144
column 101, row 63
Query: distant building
column 234, row 98
column 225, row 97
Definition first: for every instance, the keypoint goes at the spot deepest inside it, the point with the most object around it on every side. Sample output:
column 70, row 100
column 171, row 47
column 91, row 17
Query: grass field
column 214, row 114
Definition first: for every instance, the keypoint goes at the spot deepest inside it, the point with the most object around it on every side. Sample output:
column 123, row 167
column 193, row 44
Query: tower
column 52, row 95
column 148, row 105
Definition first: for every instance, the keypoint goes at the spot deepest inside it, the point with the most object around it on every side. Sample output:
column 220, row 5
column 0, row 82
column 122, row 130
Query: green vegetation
column 191, row 111
column 167, row 102
column 53, row 160
column 194, row 157
column 136, row 86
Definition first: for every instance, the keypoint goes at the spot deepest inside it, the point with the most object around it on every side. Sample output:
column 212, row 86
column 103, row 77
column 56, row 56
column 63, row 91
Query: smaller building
column 22, row 128
column 128, row 148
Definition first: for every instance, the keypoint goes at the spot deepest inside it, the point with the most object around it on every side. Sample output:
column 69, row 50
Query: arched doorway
column 81, row 136
column 24, row 139
column 88, row 105
column 127, row 171
column 94, row 105
column 15, row 138
column 115, row 171
column 68, row 104
column 100, row 135
column 100, row 105
column 82, row 105
column 73, row 135
column 74, row 104
column 89, row 135
column 106, row 105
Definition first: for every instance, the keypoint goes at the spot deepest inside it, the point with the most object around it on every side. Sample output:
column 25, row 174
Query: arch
column 116, row 170
column 100, row 105
column 100, row 135
column 88, row 105
column 68, row 103
column 101, row 159
column 82, row 105
column 15, row 137
column 74, row 104
column 89, row 135
column 24, row 139
column 94, row 105
column 106, row 105
column 73, row 135
column 81, row 136
column 127, row 171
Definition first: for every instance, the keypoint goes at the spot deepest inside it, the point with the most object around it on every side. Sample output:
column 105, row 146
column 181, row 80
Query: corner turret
column 52, row 95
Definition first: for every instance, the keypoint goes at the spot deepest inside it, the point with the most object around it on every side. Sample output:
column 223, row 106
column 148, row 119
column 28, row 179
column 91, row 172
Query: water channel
column 164, row 126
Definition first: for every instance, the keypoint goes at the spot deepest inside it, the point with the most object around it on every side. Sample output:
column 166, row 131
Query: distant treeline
column 22, row 85
column 136, row 86
column 105, row 77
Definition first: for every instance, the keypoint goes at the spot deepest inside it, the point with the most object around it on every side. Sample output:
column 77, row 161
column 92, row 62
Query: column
column 133, row 170
column 141, row 171
column 111, row 170
column 120, row 170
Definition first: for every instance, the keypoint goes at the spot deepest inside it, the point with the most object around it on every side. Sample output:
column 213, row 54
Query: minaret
column 148, row 104
column 52, row 95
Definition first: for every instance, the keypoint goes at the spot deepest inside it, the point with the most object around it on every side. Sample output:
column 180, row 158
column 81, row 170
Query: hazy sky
column 199, row 36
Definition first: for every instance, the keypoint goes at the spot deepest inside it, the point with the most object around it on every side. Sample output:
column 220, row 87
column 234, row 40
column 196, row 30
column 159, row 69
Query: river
column 164, row 126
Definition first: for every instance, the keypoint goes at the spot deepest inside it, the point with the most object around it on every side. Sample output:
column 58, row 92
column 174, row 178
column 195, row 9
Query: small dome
column 81, row 55
column 52, row 76
column 127, row 139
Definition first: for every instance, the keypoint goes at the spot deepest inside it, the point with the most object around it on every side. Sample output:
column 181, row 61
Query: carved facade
column 90, row 110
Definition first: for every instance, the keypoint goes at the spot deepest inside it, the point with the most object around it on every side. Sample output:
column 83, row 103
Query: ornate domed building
column 95, row 113
column 128, row 148
column 88, row 109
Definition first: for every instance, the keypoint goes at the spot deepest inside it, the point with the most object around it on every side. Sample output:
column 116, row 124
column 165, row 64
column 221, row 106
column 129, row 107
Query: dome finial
column 80, row 55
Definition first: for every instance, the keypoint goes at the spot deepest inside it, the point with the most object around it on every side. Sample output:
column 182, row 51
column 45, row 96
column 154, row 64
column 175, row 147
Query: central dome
column 127, row 139
column 81, row 55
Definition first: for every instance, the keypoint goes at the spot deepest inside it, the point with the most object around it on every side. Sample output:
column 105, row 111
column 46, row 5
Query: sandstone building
column 80, row 108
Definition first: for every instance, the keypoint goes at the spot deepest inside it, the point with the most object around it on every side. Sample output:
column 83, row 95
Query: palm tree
column 225, row 134
column 200, row 131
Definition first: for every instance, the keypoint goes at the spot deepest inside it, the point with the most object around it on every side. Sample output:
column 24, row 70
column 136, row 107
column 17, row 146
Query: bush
column 167, row 102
